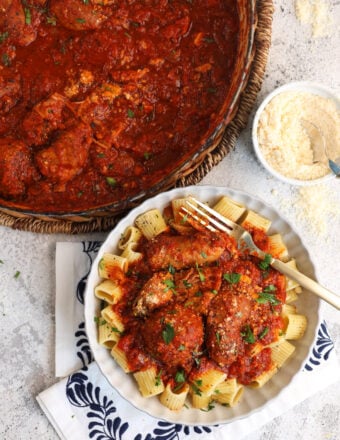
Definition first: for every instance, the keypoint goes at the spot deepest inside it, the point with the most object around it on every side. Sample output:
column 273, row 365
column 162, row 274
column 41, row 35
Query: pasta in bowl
column 184, row 324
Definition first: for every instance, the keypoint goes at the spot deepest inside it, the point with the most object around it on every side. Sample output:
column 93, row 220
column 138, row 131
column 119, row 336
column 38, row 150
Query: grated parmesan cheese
column 316, row 14
column 286, row 145
column 315, row 207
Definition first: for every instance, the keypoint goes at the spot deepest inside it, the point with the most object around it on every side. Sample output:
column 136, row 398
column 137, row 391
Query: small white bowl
column 299, row 86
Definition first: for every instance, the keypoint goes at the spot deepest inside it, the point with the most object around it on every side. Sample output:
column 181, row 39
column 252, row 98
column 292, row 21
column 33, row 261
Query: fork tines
column 208, row 216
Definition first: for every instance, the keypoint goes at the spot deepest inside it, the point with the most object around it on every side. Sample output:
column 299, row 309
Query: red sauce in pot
column 100, row 100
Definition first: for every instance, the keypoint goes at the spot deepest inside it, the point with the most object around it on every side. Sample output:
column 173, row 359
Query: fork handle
column 308, row 283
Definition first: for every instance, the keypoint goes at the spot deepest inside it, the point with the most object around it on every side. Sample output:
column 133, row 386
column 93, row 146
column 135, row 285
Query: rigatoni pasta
column 191, row 316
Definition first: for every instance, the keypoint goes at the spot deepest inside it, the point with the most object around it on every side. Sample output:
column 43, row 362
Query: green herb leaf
column 168, row 333
column 265, row 263
column 266, row 297
column 130, row 113
column 180, row 376
column 204, row 255
column 200, row 274
column 248, row 335
column 209, row 407
column 232, row 278
column 195, row 387
column 218, row 338
column 80, row 20
column 181, row 347
column 111, row 181
column 170, row 285
column 184, row 219
column 171, row 269
column 263, row 333
column 158, row 379
column 3, row 36
column 28, row 18
column 17, row 274
column 51, row 20
column 6, row 61
column 187, row 284
column 147, row 155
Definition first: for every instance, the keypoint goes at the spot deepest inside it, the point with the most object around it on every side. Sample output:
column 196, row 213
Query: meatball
column 67, row 156
column 16, row 168
column 78, row 15
column 172, row 335
column 44, row 118
column 229, row 311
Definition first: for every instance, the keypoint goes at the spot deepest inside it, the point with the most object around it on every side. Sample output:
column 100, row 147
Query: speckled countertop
column 27, row 271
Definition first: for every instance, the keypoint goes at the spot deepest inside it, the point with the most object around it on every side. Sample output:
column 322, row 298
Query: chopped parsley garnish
column 265, row 263
column 214, row 291
column 130, row 113
column 28, row 18
column 248, row 335
column 195, row 387
column 232, row 278
column 1, row 262
column 263, row 333
column 181, row 347
column 51, row 20
column 171, row 269
column 99, row 321
column 218, row 338
column 187, row 284
column 199, row 293
column 170, row 285
column 168, row 333
column 184, row 219
column 111, row 181
column 147, row 155
column 81, row 20
column 268, row 296
column 3, row 36
column 200, row 274
column 6, row 61
column 204, row 255
column 209, row 407
column 180, row 376
column 17, row 274
column 158, row 379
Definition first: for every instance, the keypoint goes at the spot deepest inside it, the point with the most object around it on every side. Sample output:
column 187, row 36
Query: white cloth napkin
column 83, row 405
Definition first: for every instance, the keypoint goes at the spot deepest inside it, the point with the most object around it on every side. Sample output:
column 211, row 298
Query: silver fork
column 212, row 220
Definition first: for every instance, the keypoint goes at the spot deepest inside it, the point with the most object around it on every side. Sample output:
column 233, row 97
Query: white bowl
column 299, row 86
column 252, row 400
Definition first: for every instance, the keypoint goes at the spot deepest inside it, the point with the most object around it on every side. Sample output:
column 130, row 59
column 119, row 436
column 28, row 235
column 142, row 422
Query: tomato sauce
column 101, row 100
column 221, row 311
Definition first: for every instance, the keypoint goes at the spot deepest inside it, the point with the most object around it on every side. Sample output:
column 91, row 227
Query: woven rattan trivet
column 101, row 224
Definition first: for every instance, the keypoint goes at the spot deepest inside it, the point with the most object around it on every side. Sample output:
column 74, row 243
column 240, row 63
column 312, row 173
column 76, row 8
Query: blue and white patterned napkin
column 83, row 405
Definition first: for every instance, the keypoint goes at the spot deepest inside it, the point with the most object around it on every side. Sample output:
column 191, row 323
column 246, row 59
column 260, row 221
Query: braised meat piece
column 185, row 251
column 44, row 118
column 16, row 168
column 172, row 335
column 226, row 319
column 79, row 15
column 66, row 157
column 17, row 22
column 156, row 292
column 10, row 89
